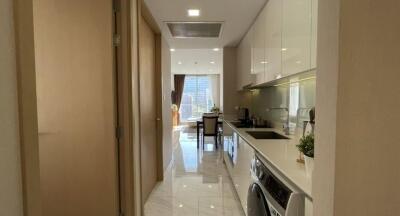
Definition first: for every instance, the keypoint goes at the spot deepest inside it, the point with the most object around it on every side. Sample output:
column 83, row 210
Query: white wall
column 166, row 102
column 326, row 96
column 10, row 167
column 357, row 135
column 367, row 166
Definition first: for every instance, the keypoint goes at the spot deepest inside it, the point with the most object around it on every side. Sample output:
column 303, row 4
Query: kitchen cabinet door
column 296, row 36
column 259, row 48
column 229, row 141
column 314, row 30
column 244, row 66
column 273, row 39
column 241, row 175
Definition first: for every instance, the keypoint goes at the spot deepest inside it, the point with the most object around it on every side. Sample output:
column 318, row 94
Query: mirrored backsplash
column 273, row 103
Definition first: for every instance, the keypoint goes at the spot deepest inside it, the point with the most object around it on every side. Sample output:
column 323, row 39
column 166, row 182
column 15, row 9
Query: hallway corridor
column 197, row 183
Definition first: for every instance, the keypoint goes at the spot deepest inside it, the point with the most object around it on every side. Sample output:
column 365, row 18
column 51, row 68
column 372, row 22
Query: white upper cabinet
column 282, row 42
column 296, row 36
column 259, row 48
column 314, row 30
column 244, row 62
column 273, row 39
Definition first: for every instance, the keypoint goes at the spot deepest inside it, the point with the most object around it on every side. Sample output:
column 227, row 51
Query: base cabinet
column 237, row 156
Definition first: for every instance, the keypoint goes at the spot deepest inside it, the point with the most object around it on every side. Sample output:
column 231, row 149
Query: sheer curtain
column 215, row 89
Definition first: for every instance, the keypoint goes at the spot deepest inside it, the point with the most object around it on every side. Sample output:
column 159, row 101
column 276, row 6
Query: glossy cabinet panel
column 273, row 39
column 237, row 156
column 282, row 40
column 314, row 31
column 244, row 62
column 296, row 36
column 241, row 170
column 259, row 48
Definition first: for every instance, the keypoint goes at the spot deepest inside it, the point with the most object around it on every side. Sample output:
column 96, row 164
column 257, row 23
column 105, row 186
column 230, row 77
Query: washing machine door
column 256, row 202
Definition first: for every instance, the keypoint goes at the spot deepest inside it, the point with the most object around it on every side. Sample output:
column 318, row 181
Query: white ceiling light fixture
column 284, row 49
column 179, row 63
column 216, row 49
column 193, row 12
column 172, row 50
column 212, row 62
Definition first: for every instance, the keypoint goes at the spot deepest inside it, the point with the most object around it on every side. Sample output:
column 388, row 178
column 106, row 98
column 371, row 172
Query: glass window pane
column 196, row 97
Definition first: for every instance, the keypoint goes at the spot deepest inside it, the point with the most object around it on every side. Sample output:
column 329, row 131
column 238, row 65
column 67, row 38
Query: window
column 196, row 97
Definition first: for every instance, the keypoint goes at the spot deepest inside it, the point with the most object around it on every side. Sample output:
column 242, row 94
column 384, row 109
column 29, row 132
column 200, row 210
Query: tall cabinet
column 282, row 42
column 244, row 61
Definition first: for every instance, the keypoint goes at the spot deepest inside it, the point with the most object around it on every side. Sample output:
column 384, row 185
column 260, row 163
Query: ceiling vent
column 195, row 29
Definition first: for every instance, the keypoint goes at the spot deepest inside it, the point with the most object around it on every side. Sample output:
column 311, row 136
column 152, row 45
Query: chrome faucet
column 286, row 127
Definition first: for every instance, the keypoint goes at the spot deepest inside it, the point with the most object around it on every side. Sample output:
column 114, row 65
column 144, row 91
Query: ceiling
column 236, row 15
column 196, row 61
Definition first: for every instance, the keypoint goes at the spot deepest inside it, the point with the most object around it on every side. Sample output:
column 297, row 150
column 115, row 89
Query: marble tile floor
column 197, row 183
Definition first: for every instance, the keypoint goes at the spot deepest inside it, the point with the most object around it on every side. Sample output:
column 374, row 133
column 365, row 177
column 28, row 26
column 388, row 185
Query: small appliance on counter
column 270, row 195
column 243, row 114
column 244, row 120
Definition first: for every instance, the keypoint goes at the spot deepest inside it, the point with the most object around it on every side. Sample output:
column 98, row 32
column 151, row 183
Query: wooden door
column 148, row 108
column 76, row 107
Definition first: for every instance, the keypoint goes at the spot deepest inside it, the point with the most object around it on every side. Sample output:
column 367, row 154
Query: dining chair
column 210, row 114
column 210, row 128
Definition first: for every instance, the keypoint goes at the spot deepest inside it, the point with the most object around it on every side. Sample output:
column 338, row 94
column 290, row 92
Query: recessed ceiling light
column 172, row 50
column 264, row 62
column 211, row 206
column 180, row 205
column 179, row 63
column 193, row 12
column 212, row 62
column 284, row 49
column 216, row 49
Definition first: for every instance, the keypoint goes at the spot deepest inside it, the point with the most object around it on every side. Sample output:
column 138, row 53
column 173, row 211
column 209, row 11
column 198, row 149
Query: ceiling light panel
column 193, row 12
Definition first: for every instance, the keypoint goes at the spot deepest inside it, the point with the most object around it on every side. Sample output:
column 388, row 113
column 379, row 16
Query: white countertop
column 281, row 154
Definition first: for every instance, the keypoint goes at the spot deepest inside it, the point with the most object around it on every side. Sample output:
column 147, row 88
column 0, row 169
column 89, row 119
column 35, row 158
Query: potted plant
column 306, row 146
column 215, row 109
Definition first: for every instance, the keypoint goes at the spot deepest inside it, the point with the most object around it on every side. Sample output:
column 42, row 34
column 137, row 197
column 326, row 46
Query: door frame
column 128, row 111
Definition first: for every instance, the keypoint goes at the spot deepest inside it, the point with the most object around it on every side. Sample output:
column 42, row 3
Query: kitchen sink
column 244, row 125
column 266, row 135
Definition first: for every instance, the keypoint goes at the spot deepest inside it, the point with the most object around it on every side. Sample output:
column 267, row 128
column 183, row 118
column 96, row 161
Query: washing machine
column 270, row 195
